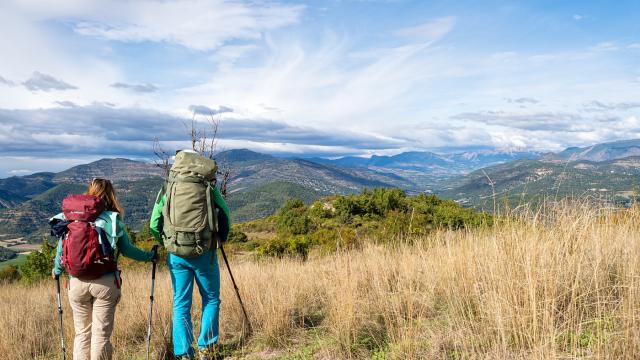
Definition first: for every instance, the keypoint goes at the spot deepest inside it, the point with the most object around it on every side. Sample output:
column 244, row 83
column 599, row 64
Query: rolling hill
column 259, row 184
column 598, row 152
column 117, row 169
column 264, row 200
column 429, row 170
column 250, row 169
column 9, row 199
column 17, row 189
column 526, row 181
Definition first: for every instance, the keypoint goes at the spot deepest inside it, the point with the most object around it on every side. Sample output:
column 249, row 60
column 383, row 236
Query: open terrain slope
column 563, row 286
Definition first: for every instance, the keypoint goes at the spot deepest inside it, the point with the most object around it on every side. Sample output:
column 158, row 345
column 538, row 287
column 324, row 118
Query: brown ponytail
column 103, row 189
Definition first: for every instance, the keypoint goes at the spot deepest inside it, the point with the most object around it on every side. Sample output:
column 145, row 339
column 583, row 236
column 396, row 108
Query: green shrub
column 332, row 240
column 374, row 203
column 291, row 246
column 293, row 219
column 273, row 247
column 327, row 239
column 318, row 210
column 395, row 223
column 292, row 204
column 39, row 263
column 385, row 215
column 262, row 225
column 237, row 236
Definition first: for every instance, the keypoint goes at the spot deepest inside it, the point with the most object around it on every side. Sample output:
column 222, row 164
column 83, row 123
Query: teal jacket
column 157, row 220
column 118, row 237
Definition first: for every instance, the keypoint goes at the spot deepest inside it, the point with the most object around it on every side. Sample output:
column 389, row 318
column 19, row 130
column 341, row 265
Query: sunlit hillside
column 558, row 283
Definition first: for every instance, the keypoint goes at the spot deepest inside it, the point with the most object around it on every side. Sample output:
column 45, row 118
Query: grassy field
column 17, row 261
column 557, row 284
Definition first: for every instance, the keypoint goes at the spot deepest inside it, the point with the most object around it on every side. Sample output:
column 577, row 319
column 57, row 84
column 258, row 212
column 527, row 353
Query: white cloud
column 401, row 95
column 20, row 171
column 227, row 55
column 48, row 52
column 522, row 100
column 431, row 30
column 140, row 88
column 6, row 82
column 43, row 82
column 600, row 106
column 208, row 111
column 605, row 46
column 578, row 17
column 195, row 24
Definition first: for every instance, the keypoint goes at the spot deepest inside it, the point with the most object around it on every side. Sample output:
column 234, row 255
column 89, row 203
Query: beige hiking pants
column 94, row 306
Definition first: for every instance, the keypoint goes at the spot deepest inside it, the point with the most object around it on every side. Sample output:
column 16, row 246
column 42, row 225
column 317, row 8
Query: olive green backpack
column 190, row 222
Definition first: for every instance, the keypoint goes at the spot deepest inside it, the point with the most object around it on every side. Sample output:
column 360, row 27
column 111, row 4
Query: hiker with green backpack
column 189, row 218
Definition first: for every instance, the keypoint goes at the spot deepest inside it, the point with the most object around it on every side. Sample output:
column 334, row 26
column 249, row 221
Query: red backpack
column 85, row 252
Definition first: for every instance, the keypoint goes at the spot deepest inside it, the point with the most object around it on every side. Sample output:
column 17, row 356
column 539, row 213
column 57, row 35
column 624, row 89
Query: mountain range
column 428, row 169
column 599, row 152
column 259, row 183
column 605, row 172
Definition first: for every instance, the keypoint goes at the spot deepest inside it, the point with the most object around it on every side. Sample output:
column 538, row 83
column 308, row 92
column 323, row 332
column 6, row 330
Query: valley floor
column 564, row 285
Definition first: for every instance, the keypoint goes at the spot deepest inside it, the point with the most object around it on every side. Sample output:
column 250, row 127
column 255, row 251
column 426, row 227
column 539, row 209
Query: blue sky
column 80, row 80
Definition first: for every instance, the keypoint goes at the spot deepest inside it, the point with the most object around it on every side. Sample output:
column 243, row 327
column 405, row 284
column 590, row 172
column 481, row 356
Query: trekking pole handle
column 154, row 250
column 153, row 270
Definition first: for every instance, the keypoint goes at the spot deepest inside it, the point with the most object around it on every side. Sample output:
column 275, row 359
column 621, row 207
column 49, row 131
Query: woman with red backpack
column 92, row 235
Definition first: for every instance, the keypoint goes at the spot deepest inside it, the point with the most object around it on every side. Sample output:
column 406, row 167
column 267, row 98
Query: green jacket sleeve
column 156, row 222
column 57, row 264
column 129, row 250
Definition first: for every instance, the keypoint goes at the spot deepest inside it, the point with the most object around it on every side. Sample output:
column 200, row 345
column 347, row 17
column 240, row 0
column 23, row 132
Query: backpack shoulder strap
column 210, row 208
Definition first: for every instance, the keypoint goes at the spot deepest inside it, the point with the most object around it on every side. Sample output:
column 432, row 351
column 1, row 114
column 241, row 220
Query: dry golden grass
column 562, row 284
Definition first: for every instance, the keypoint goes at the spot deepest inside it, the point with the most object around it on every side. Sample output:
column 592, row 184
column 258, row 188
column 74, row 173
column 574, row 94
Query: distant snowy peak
column 599, row 152
column 427, row 161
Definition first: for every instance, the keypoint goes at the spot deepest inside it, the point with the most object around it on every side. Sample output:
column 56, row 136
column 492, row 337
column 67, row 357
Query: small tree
column 293, row 218
column 39, row 263
column 204, row 141
column 237, row 236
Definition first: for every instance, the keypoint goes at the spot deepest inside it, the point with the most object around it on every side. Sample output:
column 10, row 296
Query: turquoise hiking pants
column 204, row 270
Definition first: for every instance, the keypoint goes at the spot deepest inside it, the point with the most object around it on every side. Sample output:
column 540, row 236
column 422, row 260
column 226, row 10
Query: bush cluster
column 381, row 215
column 39, row 263
column 331, row 224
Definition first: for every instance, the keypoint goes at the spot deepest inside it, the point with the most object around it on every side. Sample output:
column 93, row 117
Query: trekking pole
column 64, row 353
column 235, row 287
column 153, row 286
